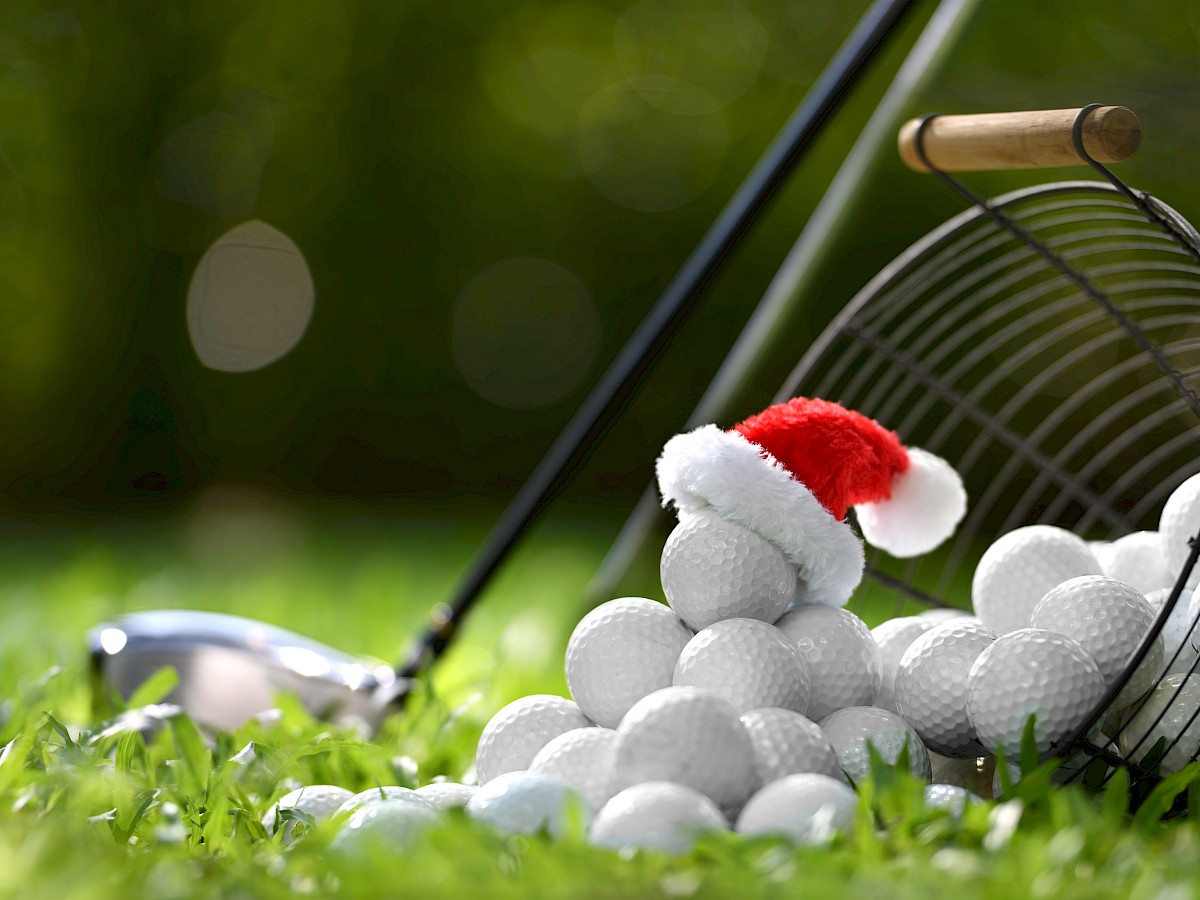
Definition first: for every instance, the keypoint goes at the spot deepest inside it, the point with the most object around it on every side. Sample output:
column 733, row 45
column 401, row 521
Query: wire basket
column 1046, row 343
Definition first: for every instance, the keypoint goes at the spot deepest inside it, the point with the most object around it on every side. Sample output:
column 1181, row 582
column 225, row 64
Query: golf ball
column 584, row 759
column 526, row 803
column 1178, row 524
column 1171, row 714
column 1031, row 673
column 787, row 743
column 317, row 800
column 656, row 815
column 1137, row 559
column 390, row 825
column 690, row 736
column 931, row 686
column 851, row 730
column 808, row 808
column 447, row 794
column 517, row 732
column 939, row 615
column 1178, row 650
column 621, row 651
column 382, row 793
column 1017, row 570
column 893, row 638
column 950, row 797
column 1109, row 619
column 841, row 657
column 713, row 569
column 748, row 662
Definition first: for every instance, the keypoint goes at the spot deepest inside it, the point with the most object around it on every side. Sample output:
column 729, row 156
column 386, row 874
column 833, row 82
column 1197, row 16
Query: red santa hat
column 790, row 473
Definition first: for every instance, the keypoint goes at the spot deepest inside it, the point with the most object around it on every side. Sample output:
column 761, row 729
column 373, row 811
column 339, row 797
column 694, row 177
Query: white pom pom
column 928, row 501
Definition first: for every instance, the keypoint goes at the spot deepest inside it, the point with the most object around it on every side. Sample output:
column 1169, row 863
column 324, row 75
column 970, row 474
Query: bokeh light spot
column 716, row 45
column 526, row 333
column 250, row 300
column 643, row 158
column 211, row 163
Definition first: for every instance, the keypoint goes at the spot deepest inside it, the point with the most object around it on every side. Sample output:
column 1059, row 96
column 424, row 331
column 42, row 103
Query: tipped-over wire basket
column 1047, row 343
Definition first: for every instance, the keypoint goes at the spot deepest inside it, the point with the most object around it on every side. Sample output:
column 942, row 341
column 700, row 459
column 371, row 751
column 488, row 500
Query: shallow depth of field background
column 489, row 197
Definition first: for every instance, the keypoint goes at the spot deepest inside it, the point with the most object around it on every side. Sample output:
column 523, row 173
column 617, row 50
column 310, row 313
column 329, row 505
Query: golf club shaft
column 618, row 383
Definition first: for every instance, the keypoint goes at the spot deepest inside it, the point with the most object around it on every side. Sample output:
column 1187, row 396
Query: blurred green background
column 489, row 197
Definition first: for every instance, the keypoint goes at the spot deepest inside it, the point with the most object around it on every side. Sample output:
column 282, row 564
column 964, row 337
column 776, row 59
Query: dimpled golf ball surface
column 851, row 730
column 526, row 803
column 713, row 570
column 1017, row 570
column 383, row 793
column 690, row 736
column 389, row 824
column 931, row 686
column 893, row 638
column 1178, row 649
column 516, row 733
column 787, row 743
column 657, row 815
column 808, row 808
column 1180, row 521
column 317, row 800
column 621, row 651
column 447, row 794
column 748, row 662
column 1137, row 559
column 950, row 797
column 840, row 654
column 1109, row 619
column 1169, row 712
column 1031, row 672
column 584, row 759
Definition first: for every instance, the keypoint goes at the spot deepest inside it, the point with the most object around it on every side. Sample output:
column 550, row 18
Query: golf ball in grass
column 690, row 736
column 893, row 638
column 1179, row 523
column 713, row 569
column 515, row 734
column 584, row 759
column 382, row 793
column 1137, row 559
column 656, row 815
column 748, row 662
column 1171, row 713
column 851, row 730
column 1109, row 619
column 931, row 686
column 527, row 803
column 447, row 794
column 389, row 825
column 952, row 798
column 621, row 651
column 841, row 657
column 1017, row 570
column 787, row 743
column 1031, row 673
column 317, row 800
column 807, row 808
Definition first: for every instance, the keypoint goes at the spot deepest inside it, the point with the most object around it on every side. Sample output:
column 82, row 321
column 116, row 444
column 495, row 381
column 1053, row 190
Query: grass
column 91, row 809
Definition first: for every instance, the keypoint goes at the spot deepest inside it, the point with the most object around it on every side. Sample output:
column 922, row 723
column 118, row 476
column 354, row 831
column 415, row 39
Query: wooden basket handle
column 1040, row 139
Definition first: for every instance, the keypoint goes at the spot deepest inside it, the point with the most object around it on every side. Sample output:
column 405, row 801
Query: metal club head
column 231, row 669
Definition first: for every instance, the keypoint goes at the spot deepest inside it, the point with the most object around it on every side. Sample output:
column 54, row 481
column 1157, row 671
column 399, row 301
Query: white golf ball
column 317, row 800
column 447, row 794
column 656, row 815
column 621, row 651
column 851, row 730
column 1137, row 559
column 1170, row 714
column 1017, row 570
column 1178, row 524
column 386, row 793
column 953, row 798
column 973, row 774
column 939, row 615
column 748, row 662
column 387, row 825
column 690, row 736
column 808, row 808
column 515, row 734
column 1031, row 672
column 584, row 759
column 893, row 638
column 787, row 743
column 713, row 569
column 841, row 656
column 526, row 803
column 931, row 686
column 1179, row 650
column 1109, row 619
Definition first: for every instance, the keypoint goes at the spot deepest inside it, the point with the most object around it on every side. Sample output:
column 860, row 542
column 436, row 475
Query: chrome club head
column 232, row 669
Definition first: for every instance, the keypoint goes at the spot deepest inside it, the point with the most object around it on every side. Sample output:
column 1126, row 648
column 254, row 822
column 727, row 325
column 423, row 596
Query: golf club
column 230, row 668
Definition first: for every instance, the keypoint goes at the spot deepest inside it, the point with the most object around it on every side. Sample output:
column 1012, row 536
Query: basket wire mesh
column 1047, row 343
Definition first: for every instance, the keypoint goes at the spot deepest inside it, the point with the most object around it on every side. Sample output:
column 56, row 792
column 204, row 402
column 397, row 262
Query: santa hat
column 789, row 474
